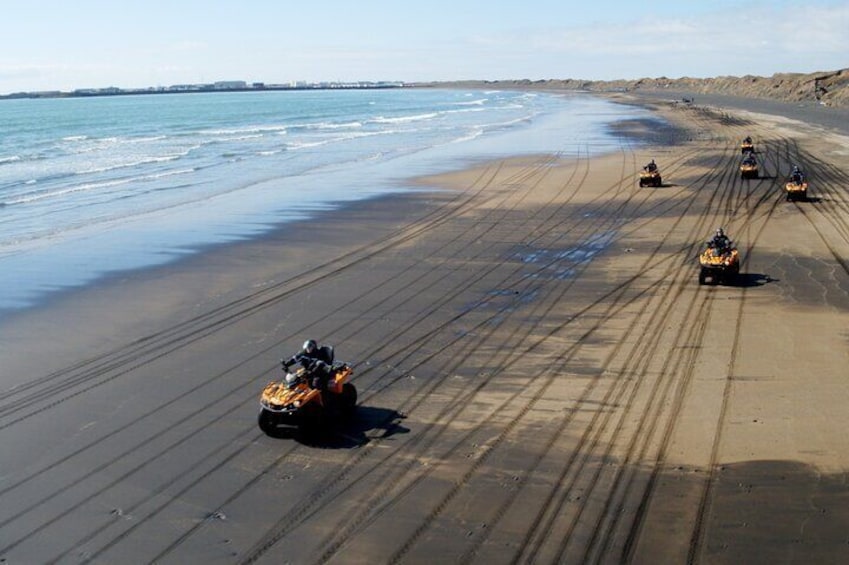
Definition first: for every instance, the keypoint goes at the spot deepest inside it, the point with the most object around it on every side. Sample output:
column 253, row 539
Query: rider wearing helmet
column 315, row 360
column 720, row 241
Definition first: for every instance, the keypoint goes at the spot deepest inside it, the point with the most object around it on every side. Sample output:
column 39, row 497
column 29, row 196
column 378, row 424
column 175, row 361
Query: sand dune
column 827, row 88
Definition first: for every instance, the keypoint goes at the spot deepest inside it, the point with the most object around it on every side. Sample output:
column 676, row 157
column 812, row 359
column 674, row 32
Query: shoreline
column 540, row 375
column 246, row 205
column 195, row 277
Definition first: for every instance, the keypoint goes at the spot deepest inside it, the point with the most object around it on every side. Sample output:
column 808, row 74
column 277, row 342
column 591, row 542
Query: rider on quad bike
column 315, row 360
column 719, row 241
column 316, row 395
column 797, row 176
column 650, row 175
column 720, row 261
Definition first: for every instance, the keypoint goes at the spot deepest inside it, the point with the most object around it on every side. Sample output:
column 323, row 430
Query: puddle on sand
column 562, row 263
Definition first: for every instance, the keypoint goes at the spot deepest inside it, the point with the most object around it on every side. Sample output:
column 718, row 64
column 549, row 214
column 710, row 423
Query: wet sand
column 541, row 377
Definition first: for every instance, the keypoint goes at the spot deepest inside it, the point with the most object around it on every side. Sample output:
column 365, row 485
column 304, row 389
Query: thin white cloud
column 187, row 45
column 812, row 29
column 749, row 38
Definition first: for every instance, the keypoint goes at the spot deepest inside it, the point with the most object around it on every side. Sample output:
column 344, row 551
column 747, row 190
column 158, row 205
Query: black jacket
column 308, row 360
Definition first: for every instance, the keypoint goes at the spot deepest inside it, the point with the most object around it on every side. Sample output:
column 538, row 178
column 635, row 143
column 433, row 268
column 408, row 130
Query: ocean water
column 94, row 186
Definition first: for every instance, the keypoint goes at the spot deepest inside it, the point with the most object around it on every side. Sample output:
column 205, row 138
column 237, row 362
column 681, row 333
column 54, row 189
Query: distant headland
column 826, row 88
column 219, row 86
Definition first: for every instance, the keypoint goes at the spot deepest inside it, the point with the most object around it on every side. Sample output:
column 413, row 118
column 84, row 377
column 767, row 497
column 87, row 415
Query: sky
column 65, row 45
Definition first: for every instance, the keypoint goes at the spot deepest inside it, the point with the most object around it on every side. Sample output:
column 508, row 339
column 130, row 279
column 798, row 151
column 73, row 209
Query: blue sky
column 63, row 45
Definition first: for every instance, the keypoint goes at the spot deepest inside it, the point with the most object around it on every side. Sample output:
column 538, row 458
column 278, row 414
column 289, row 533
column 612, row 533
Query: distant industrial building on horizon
column 218, row 86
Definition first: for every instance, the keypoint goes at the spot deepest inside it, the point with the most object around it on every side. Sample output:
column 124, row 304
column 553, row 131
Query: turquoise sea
column 94, row 186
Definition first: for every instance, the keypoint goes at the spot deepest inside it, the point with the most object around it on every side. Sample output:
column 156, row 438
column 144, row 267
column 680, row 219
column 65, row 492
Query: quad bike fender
column 340, row 376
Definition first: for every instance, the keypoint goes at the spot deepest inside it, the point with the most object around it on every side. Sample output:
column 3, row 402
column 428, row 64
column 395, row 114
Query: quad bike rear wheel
column 349, row 399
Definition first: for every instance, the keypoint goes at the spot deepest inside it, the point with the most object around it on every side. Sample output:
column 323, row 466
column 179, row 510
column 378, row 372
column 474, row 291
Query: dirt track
column 541, row 377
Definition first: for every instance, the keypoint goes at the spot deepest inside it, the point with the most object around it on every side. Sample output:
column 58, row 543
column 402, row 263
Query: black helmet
column 310, row 346
column 719, row 232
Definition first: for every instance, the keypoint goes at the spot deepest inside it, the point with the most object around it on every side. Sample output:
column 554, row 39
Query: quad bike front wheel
column 267, row 421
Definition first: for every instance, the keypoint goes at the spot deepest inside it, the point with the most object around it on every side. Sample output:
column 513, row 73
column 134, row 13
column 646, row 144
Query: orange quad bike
column 749, row 168
column 719, row 265
column 294, row 404
column 796, row 189
column 747, row 146
column 650, row 178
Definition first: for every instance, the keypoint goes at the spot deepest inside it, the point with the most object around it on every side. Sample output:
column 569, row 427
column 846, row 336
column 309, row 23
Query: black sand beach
column 541, row 377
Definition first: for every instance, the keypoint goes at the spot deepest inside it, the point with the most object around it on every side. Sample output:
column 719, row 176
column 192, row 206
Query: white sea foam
column 473, row 134
column 238, row 138
column 467, row 109
column 48, row 194
column 344, row 125
column 54, row 194
column 251, row 129
column 335, row 139
column 478, row 102
column 168, row 174
column 130, row 164
column 145, row 139
column 295, row 145
column 404, row 119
